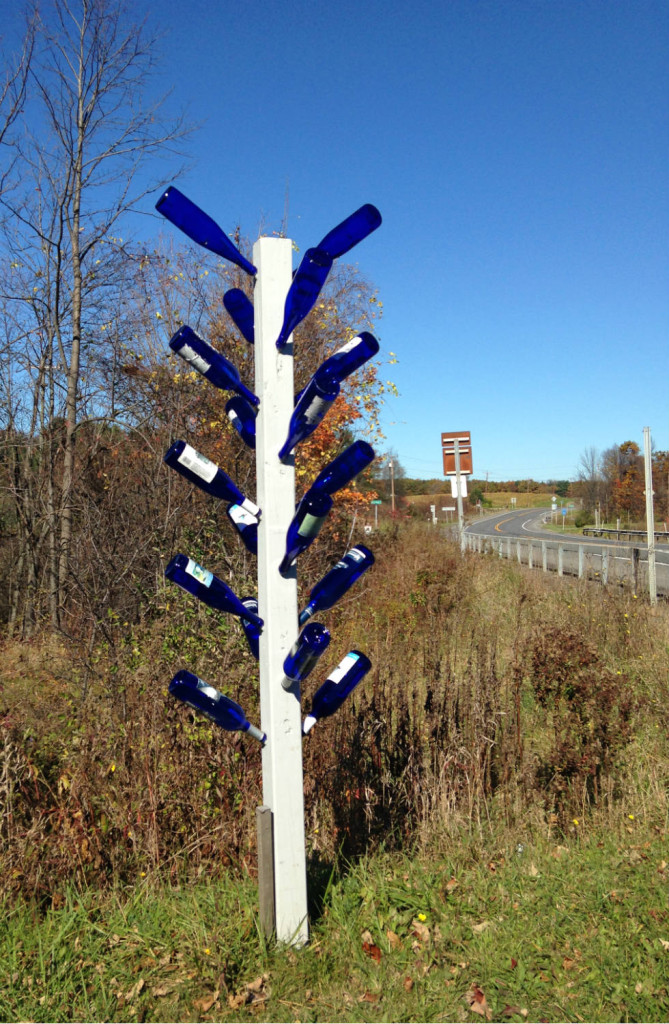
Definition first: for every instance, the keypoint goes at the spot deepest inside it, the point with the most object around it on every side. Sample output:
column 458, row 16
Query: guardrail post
column 605, row 565
column 544, row 556
column 530, row 560
column 560, row 560
column 581, row 560
column 636, row 555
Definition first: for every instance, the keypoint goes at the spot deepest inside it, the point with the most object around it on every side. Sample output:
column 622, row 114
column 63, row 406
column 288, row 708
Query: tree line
column 89, row 401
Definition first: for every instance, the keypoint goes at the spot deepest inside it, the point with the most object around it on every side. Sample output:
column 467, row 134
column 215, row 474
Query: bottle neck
column 307, row 613
column 257, row 734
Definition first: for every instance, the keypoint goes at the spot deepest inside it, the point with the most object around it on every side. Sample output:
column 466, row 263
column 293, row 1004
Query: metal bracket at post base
column 265, row 831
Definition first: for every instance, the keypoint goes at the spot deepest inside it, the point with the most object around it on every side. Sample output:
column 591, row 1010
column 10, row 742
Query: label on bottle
column 316, row 410
column 195, row 360
column 198, row 464
column 242, row 516
column 203, row 576
column 343, row 667
column 356, row 554
column 349, row 346
column 310, row 525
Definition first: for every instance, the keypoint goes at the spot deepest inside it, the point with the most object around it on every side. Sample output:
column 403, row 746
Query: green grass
column 546, row 929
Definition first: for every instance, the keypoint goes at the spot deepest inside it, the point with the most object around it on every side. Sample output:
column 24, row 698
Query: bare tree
column 84, row 167
column 590, row 479
column 13, row 91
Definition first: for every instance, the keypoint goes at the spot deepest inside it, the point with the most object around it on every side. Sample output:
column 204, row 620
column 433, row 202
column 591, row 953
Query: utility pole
column 650, row 517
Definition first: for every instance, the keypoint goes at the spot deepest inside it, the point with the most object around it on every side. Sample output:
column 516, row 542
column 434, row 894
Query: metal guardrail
column 619, row 564
column 611, row 531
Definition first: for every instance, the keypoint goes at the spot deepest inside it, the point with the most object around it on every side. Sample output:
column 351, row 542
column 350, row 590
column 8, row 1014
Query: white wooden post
column 458, row 485
column 581, row 561
column 277, row 597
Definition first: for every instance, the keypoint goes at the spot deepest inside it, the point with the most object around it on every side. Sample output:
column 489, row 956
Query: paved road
column 518, row 535
column 527, row 523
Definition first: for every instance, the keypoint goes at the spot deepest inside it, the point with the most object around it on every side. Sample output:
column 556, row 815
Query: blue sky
column 518, row 151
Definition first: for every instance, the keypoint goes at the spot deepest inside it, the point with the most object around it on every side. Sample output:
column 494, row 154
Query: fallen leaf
column 451, row 885
column 408, row 984
column 367, row 936
column 664, row 944
column 510, row 1011
column 514, row 963
column 420, row 930
column 253, row 992
column 568, row 963
column 257, row 987
column 369, row 997
column 206, row 1002
column 164, row 990
column 477, row 1002
column 478, row 928
column 638, row 987
column 372, row 950
column 133, row 992
column 394, row 940
column 533, row 870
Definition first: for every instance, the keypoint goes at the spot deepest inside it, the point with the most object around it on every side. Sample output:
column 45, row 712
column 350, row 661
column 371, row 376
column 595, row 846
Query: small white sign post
column 280, row 715
column 458, row 484
column 650, row 516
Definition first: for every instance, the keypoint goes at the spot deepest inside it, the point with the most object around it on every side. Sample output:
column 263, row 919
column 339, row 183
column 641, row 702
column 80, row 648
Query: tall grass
column 496, row 696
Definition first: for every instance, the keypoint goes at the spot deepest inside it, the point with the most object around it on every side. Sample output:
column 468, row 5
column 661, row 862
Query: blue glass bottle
column 338, row 581
column 351, row 231
column 311, row 407
column 310, row 515
column 305, row 652
column 251, row 630
column 202, row 584
column 245, row 524
column 206, row 475
column 344, row 468
column 304, row 290
column 218, row 370
column 200, row 227
column 347, row 359
column 336, row 688
column 243, row 418
column 240, row 309
column 225, row 712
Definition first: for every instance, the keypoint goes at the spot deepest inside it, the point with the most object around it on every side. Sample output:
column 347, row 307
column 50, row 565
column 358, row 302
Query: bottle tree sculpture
column 269, row 420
